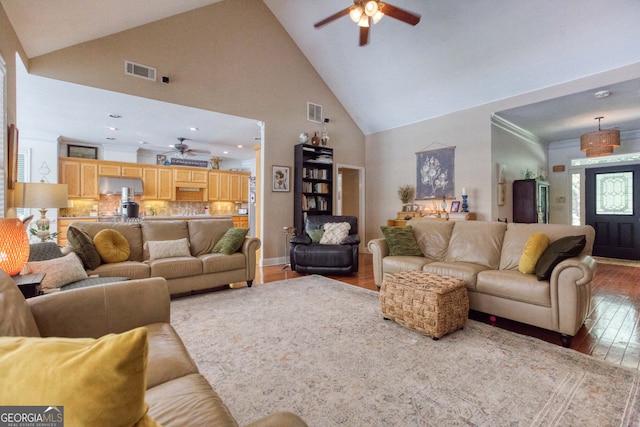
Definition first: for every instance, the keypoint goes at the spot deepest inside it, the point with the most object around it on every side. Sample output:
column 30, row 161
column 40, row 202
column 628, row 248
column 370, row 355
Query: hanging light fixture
column 600, row 142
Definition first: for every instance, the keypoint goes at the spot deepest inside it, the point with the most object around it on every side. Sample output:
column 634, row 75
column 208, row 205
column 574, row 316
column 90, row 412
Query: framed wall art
column 82, row 152
column 12, row 164
column 435, row 174
column 280, row 176
column 455, row 206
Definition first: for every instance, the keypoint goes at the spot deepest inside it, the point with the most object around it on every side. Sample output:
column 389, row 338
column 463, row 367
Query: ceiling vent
column 139, row 70
column 314, row 112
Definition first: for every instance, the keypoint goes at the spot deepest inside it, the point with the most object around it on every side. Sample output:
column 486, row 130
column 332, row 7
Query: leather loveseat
column 198, row 269
column 315, row 257
column 486, row 256
column 176, row 393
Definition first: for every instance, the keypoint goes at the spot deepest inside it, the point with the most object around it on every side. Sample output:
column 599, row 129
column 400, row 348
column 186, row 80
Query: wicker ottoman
column 432, row 304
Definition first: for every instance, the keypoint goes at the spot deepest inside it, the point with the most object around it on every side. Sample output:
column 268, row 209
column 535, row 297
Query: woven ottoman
column 432, row 304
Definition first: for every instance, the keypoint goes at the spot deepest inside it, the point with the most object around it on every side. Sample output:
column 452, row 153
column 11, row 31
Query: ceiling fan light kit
column 601, row 142
column 366, row 12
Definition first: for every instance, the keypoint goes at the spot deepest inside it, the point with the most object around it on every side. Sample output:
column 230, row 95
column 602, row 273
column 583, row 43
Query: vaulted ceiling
column 462, row 53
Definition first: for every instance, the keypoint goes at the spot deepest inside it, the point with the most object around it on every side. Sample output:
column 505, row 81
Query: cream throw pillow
column 59, row 271
column 334, row 233
column 98, row 382
column 168, row 248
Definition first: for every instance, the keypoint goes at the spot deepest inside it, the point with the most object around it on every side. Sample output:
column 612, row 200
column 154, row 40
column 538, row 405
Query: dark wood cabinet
column 531, row 201
column 312, row 183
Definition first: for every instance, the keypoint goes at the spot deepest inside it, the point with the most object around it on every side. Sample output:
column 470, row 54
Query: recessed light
column 193, row 129
column 239, row 146
column 225, row 152
column 602, row 94
column 112, row 128
column 110, row 138
column 115, row 116
column 142, row 142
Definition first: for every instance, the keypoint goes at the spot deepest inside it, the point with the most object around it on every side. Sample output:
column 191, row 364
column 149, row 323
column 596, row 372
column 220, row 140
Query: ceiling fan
column 368, row 12
column 183, row 149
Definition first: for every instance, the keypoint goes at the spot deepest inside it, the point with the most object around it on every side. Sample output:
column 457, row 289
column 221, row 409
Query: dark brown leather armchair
column 314, row 258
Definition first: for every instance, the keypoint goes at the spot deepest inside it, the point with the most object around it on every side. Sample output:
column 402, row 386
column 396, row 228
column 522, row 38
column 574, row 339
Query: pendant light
column 600, row 142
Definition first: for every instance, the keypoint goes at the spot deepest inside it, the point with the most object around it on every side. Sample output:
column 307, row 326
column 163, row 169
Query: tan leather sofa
column 201, row 270
column 177, row 394
column 486, row 255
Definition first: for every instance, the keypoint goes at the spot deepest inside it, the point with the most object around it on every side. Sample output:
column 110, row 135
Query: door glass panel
column 614, row 193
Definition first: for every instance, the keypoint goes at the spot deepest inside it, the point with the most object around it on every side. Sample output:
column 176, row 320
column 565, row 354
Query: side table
column 29, row 284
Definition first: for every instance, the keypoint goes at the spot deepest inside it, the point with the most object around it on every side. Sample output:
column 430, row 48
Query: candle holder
column 465, row 207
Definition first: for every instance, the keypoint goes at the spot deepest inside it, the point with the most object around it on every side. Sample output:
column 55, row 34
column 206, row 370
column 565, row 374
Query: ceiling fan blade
column 364, row 36
column 400, row 14
column 331, row 18
column 189, row 150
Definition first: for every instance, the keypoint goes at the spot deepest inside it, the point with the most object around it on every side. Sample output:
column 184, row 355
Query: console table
column 401, row 219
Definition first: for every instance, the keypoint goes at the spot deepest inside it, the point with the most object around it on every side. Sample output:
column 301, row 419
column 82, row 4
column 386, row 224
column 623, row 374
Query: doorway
column 612, row 208
column 350, row 194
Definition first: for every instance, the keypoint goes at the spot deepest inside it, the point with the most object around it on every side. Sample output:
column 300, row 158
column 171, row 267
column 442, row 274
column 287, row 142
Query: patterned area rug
column 320, row 348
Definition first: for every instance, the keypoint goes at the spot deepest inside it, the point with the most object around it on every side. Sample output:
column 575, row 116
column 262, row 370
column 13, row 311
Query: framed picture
column 161, row 159
column 12, row 165
column 455, row 206
column 280, row 176
column 434, row 174
column 81, row 152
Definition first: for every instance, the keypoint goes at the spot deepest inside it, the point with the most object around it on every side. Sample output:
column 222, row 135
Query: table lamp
column 14, row 245
column 41, row 195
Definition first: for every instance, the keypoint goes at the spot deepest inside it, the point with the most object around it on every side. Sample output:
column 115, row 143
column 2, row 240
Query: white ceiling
column 462, row 54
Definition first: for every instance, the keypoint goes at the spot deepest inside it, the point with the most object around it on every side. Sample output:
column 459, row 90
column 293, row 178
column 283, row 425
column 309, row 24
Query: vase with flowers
column 406, row 194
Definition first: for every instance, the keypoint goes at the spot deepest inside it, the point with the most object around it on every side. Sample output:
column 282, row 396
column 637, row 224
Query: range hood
column 109, row 185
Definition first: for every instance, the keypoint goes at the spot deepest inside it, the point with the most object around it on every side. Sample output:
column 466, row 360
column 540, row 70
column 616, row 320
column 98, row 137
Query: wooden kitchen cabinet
column 119, row 170
column 81, row 177
column 187, row 177
column 228, row 186
column 63, row 226
column 157, row 183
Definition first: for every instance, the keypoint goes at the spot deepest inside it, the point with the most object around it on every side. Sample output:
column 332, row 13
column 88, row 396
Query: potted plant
column 405, row 194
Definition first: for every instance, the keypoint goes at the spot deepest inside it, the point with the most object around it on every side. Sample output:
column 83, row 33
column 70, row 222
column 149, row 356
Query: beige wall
column 230, row 57
column 390, row 156
column 9, row 46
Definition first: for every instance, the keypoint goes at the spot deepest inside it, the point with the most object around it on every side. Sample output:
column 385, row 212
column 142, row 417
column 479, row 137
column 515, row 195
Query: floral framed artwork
column 82, row 152
column 435, row 174
column 280, row 176
column 455, row 206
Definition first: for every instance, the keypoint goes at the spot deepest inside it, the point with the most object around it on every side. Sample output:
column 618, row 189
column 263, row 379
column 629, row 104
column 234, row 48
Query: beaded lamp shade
column 14, row 245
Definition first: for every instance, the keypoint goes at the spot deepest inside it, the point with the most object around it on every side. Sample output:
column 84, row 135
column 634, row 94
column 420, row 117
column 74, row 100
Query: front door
column 612, row 203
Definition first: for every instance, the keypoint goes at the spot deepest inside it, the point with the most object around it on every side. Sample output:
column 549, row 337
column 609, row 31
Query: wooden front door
column 612, row 203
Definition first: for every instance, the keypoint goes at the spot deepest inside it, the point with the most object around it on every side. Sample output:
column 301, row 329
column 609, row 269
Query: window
column 614, row 193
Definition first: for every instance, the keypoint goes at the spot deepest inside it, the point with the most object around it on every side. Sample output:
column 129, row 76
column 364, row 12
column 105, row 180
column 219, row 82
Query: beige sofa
column 177, row 394
column 187, row 274
column 486, row 255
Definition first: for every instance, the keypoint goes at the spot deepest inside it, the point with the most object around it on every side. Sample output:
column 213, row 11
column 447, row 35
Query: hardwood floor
column 611, row 331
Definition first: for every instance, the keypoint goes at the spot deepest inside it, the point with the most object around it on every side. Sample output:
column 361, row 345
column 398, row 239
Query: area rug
column 320, row 348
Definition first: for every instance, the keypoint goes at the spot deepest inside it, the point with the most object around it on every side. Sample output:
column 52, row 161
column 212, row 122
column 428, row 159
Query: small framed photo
column 81, row 152
column 455, row 206
column 280, row 176
column 161, row 159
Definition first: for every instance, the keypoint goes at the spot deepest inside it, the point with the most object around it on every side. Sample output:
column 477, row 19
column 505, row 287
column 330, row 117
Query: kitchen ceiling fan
column 183, row 149
column 368, row 12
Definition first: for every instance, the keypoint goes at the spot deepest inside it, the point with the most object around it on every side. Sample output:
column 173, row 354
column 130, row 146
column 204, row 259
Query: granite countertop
column 154, row 217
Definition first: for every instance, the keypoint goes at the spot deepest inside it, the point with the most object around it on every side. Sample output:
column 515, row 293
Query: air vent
column 314, row 112
column 139, row 70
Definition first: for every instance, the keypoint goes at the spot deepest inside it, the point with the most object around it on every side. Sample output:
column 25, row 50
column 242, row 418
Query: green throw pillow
column 401, row 241
column 557, row 252
column 316, row 234
column 231, row 241
column 83, row 246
